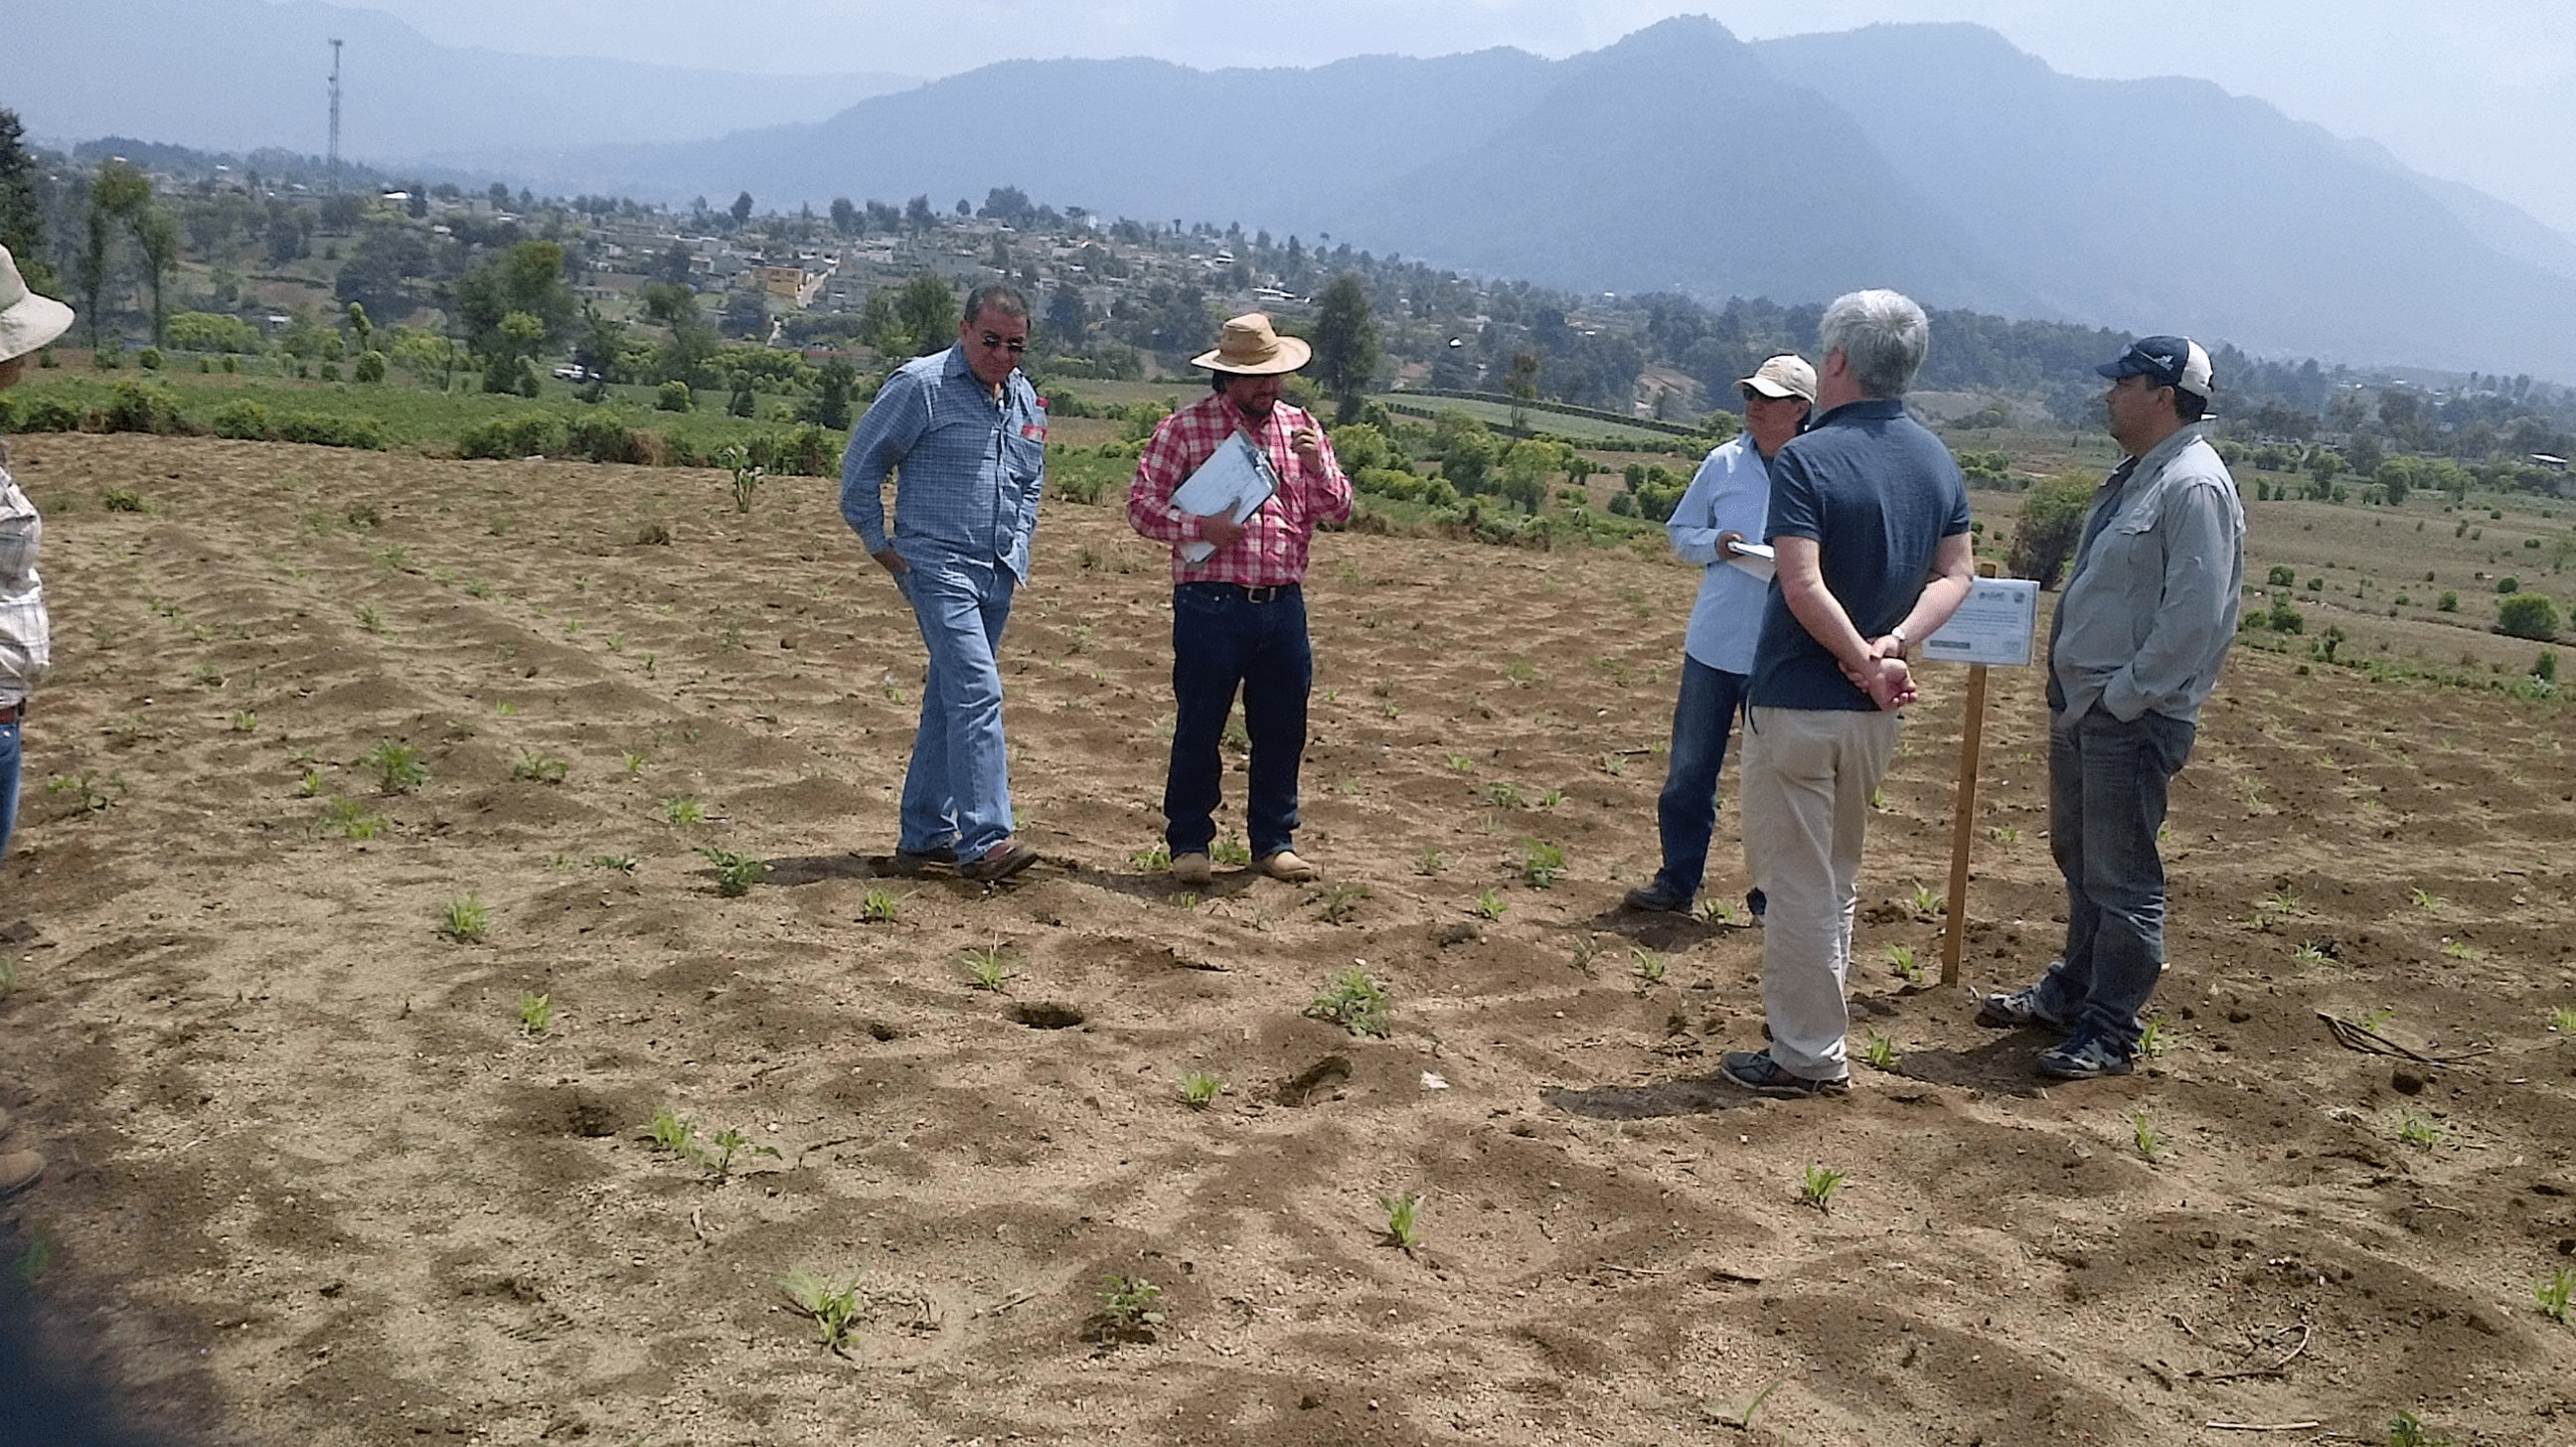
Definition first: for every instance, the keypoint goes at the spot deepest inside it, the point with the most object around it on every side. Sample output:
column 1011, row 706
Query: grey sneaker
column 2085, row 1057
column 1756, row 1071
column 2016, row 1010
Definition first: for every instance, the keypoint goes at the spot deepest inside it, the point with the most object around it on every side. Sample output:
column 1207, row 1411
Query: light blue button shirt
column 968, row 468
column 1729, row 494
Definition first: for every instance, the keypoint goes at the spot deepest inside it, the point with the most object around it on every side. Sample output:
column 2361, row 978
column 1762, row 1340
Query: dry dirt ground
column 315, row 1183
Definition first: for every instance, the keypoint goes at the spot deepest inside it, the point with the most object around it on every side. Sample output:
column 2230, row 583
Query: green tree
column 741, row 208
column 2324, row 465
column 528, row 279
column 2528, row 615
column 830, row 404
column 22, row 227
column 1346, row 345
column 508, row 352
column 2052, row 520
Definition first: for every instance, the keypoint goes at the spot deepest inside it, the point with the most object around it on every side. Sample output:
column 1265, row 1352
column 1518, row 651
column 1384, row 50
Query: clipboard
column 1754, row 558
column 1236, row 480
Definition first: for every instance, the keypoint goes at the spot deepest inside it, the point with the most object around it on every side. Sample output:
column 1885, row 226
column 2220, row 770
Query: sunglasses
column 1015, row 346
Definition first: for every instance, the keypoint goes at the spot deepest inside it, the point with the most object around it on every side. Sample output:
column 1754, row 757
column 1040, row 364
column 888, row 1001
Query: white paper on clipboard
column 1235, row 481
column 1754, row 558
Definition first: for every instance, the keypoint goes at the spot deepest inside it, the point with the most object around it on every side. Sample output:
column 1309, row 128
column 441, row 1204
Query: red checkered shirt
column 1272, row 550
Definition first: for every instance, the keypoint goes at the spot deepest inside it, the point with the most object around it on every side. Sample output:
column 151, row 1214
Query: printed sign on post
column 1994, row 625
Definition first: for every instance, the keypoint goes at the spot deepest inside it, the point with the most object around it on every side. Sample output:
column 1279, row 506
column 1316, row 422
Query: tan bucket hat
column 1247, row 347
column 27, row 321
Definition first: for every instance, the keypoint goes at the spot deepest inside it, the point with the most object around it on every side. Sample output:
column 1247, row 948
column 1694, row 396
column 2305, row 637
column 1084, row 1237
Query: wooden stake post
column 1995, row 625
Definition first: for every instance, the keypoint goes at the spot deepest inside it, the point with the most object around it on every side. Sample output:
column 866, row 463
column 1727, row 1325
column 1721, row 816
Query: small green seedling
column 633, row 763
column 88, row 785
column 1186, row 900
column 1926, row 902
column 2371, row 1020
column 2154, row 1038
column 1489, row 905
column 683, row 810
column 2461, row 950
column 1429, row 861
column 8, row 976
column 350, row 819
column 1231, row 851
column 1503, row 794
column 2553, row 1294
column 536, row 1013
column 1128, row 1303
column 1152, row 861
column 1342, row 902
column 1403, row 1220
column 2313, row 952
column 1199, row 1089
column 2420, row 1131
column 2563, row 1019
column 2143, row 1135
column 2424, row 898
column 371, row 620
column 1541, row 862
column 675, row 1132
column 465, row 920
column 1587, row 949
column 1901, row 958
column 542, row 768
column 1879, row 1050
column 398, row 767
column 1647, row 965
column 1817, row 1186
column 310, row 785
column 1551, row 798
column 2405, row 1430
column 622, row 863
column 735, row 873
column 1355, row 1002
column 724, row 1146
column 245, row 722
column 990, row 968
column 835, row 1309
column 746, row 477
column 1716, row 912
column 880, row 907
column 2281, row 901
column 1460, row 764
column 2004, row 834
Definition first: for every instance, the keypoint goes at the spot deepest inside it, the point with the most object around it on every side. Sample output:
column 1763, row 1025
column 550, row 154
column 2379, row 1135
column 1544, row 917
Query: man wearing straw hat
column 27, row 323
column 1238, row 612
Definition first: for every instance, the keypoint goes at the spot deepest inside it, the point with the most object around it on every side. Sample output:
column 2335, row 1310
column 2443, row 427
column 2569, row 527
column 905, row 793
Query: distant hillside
column 242, row 74
column 1932, row 157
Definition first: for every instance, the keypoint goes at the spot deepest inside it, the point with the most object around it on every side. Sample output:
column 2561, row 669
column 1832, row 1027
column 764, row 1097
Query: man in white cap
column 27, row 323
column 1239, row 612
column 2139, row 637
column 1724, row 506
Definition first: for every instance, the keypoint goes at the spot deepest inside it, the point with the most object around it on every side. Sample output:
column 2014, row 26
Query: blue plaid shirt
column 968, row 470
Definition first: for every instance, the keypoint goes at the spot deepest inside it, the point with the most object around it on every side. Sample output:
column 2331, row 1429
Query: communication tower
column 335, row 115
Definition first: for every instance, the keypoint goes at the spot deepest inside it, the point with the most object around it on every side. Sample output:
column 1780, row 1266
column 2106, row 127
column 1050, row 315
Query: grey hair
column 1882, row 336
column 994, row 296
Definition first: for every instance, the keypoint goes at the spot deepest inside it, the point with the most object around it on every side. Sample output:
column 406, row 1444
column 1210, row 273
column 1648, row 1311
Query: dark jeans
column 2107, row 786
column 1687, row 811
column 1223, row 641
column 8, row 783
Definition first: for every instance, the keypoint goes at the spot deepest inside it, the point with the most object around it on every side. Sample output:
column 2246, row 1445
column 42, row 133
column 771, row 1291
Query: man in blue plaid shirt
column 965, row 436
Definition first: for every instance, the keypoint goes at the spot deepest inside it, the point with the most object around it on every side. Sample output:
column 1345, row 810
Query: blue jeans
column 2108, row 783
column 1223, row 641
column 8, row 783
column 1687, row 811
column 958, row 790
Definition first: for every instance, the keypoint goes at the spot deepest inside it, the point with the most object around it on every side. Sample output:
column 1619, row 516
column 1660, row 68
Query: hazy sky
column 2482, row 91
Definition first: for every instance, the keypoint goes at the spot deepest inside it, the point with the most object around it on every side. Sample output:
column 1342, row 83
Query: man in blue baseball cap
column 2141, row 630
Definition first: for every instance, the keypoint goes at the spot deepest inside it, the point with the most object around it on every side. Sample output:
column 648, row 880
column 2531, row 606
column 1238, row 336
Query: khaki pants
column 1808, row 775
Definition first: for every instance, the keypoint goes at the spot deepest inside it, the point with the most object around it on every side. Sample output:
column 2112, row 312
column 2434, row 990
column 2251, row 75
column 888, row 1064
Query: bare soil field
column 317, row 1180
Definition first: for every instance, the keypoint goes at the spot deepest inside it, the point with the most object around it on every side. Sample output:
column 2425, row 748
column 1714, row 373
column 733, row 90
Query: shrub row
column 807, row 450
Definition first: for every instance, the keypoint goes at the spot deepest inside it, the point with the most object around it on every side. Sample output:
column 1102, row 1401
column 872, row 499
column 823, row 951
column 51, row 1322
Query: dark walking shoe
column 1659, row 896
column 1756, row 902
column 908, row 862
column 1756, row 1071
column 2016, row 1010
column 998, row 863
column 2085, row 1057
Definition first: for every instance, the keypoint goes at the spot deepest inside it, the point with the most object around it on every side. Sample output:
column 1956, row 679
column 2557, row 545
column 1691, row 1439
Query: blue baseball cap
column 2176, row 362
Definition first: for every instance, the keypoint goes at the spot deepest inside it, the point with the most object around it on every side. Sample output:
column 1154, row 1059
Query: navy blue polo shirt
column 1877, row 493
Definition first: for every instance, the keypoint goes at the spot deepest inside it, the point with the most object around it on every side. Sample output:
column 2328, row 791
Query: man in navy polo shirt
column 1869, row 530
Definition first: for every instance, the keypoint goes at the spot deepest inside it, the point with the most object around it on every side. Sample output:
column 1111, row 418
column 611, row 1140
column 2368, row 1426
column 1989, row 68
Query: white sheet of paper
column 1754, row 558
column 1235, row 480
column 1995, row 624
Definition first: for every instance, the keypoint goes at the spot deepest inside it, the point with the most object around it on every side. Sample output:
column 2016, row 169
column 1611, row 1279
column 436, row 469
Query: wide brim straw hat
column 1248, row 347
column 27, row 321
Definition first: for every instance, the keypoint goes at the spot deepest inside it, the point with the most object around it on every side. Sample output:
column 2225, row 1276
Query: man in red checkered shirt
column 1239, row 614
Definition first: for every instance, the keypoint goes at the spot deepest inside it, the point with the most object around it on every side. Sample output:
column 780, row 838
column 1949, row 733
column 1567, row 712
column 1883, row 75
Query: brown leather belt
column 12, row 712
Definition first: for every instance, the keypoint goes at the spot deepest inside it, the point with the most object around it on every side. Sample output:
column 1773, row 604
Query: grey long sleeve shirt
column 2152, row 603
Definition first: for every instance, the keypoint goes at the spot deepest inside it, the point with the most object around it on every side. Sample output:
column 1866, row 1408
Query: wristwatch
column 1902, row 642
